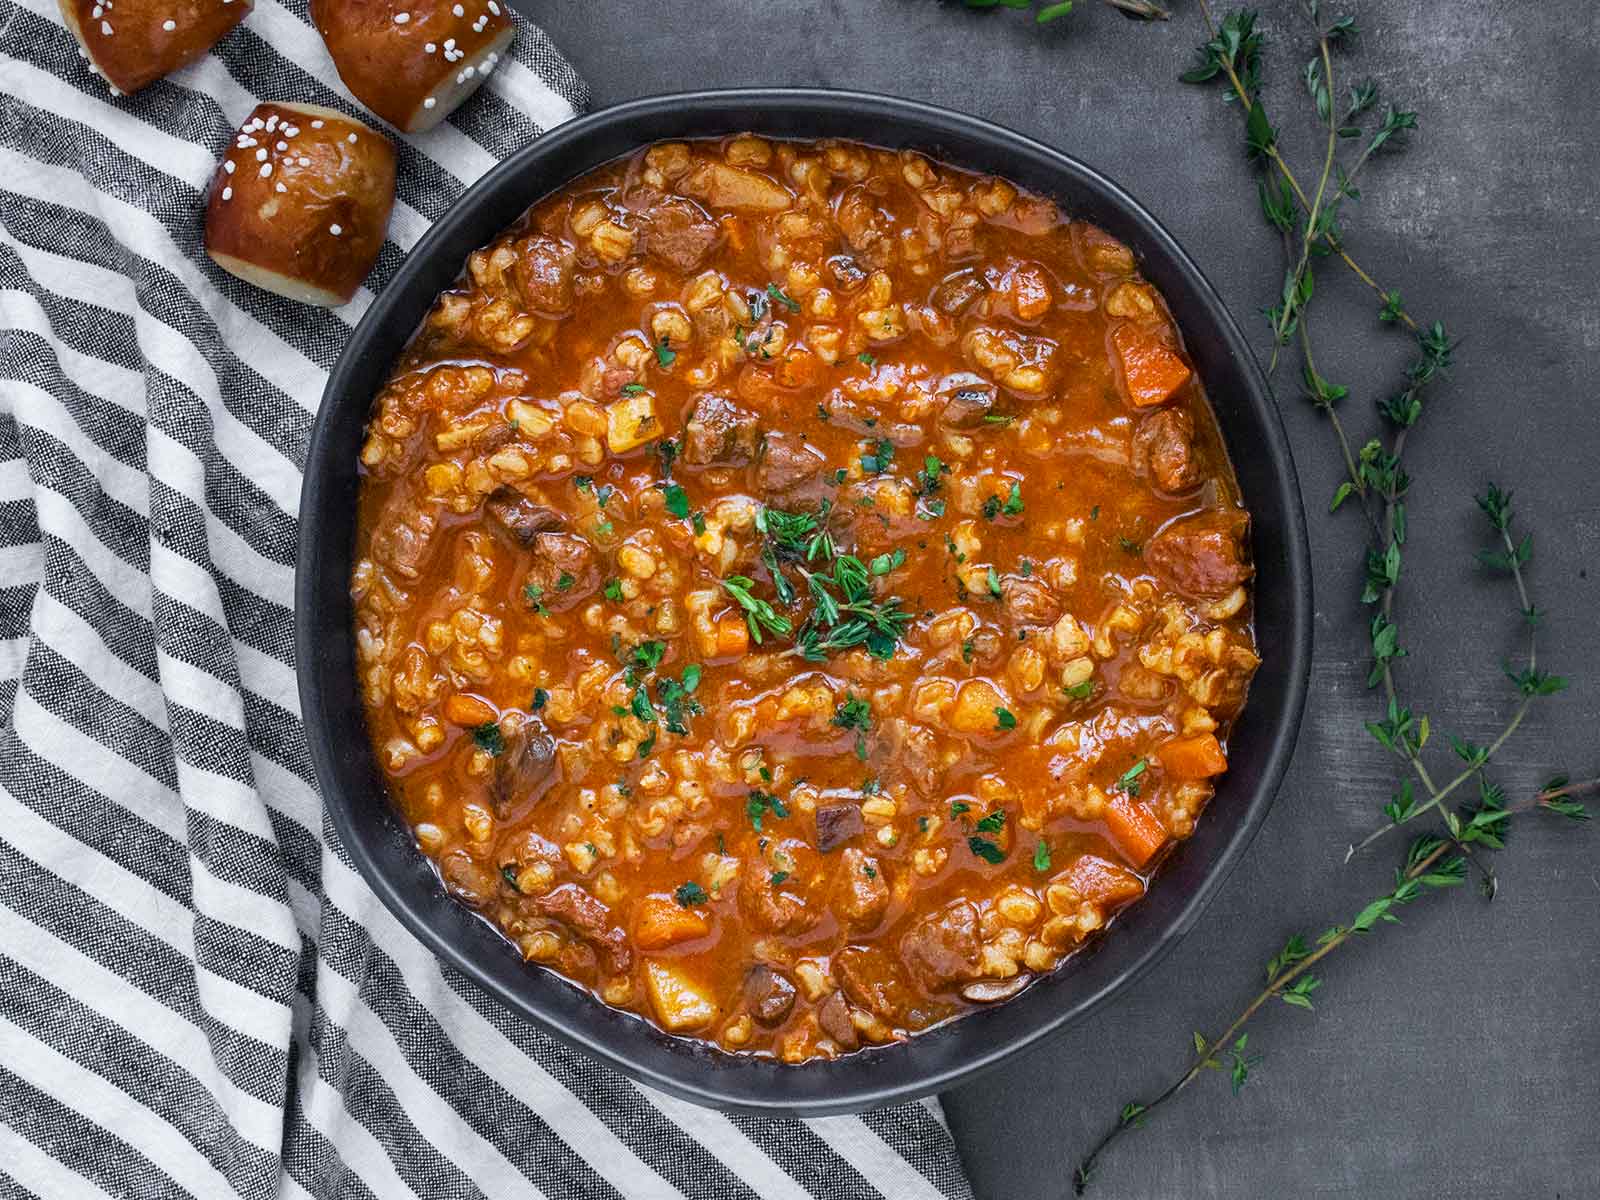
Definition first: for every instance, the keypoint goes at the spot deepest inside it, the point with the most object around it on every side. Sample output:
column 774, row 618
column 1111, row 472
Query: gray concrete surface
column 1457, row 1054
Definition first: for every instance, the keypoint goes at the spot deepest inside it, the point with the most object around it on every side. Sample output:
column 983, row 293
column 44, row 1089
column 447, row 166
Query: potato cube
column 976, row 703
column 679, row 1004
column 632, row 422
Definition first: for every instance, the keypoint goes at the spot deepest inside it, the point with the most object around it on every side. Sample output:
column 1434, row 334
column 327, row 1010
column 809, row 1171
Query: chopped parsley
column 856, row 713
column 698, row 520
column 1004, row 718
column 564, row 584
column 508, row 872
column 998, row 418
column 930, row 510
column 778, row 878
column 760, row 803
column 866, row 360
column 649, row 654
column 614, row 590
column 540, row 699
column 885, row 563
column 632, row 389
column 1013, row 505
column 648, row 744
column 993, row 823
column 668, row 450
column 664, row 354
column 967, row 649
column 928, row 477
column 489, row 738
column 986, row 850
column 958, row 807
column 1129, row 780
column 535, row 597
column 689, row 893
column 1041, row 855
column 993, row 579
column 878, row 461
column 677, row 500
column 1080, row 691
column 777, row 294
column 1130, row 546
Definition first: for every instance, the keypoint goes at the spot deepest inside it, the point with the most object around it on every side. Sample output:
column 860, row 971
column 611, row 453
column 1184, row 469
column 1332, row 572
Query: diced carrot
column 468, row 710
column 1102, row 882
column 1135, row 828
column 733, row 635
column 660, row 921
column 1151, row 371
column 1197, row 756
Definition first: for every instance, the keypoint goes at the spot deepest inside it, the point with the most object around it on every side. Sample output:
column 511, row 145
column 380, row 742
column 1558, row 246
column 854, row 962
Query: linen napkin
column 199, row 997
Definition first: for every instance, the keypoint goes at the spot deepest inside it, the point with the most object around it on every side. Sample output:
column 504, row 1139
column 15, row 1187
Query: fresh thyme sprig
column 1430, row 865
column 1307, row 221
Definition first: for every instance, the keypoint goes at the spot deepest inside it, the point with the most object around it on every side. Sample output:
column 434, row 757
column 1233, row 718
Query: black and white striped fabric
column 198, row 996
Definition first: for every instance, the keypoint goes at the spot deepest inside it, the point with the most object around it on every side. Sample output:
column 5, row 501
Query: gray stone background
column 1456, row 1054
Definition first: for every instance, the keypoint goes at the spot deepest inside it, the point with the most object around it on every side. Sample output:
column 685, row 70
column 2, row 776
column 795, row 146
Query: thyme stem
column 1420, row 867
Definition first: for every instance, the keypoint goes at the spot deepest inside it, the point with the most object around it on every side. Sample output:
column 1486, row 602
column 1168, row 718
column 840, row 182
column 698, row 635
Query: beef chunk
column 913, row 753
column 466, row 878
column 558, row 557
column 1027, row 601
column 591, row 919
column 1163, row 450
column 873, row 981
column 769, row 994
column 860, row 891
column 720, row 433
column 1201, row 555
column 774, row 907
column 864, row 227
column 520, row 518
column 525, row 770
column 543, row 274
column 954, row 294
column 679, row 233
column 847, row 273
column 787, row 465
column 941, row 950
column 966, row 406
column 833, row 1017
column 837, row 824
column 404, row 539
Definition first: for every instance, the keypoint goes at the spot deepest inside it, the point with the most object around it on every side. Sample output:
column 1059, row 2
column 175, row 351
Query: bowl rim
column 866, row 1087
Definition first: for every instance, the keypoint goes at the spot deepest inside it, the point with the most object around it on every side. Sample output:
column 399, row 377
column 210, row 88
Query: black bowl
column 381, row 845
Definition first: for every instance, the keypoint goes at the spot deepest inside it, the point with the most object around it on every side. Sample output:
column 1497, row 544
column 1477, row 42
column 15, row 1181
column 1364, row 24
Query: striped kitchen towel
column 198, row 996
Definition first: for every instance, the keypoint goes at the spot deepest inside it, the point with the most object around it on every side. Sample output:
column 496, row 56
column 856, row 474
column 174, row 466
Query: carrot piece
column 1151, row 371
column 660, row 922
column 1198, row 756
column 1102, row 882
column 1135, row 828
column 733, row 635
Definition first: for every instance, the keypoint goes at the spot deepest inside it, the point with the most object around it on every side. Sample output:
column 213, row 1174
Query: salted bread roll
column 300, row 202
column 413, row 61
column 131, row 43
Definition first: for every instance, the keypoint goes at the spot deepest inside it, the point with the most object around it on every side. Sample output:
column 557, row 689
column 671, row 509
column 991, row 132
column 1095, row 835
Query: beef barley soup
column 801, row 592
